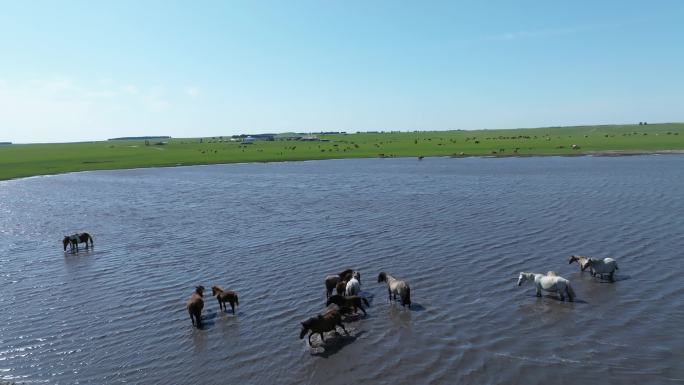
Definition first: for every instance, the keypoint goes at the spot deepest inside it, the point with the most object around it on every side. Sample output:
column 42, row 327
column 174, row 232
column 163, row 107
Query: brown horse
column 341, row 287
column 352, row 301
column 74, row 239
column 225, row 296
column 335, row 281
column 322, row 323
column 195, row 305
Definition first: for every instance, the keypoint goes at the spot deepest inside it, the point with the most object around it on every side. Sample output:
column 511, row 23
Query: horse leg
column 340, row 324
column 611, row 276
column 363, row 310
column 192, row 319
column 389, row 292
column 232, row 306
column 560, row 294
column 538, row 291
column 310, row 335
column 322, row 338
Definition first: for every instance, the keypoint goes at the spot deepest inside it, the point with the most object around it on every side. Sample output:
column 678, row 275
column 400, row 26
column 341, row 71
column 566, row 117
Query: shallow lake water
column 458, row 230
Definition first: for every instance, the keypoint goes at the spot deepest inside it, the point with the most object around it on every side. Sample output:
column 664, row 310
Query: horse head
column 382, row 277
column 572, row 259
column 357, row 275
column 199, row 290
column 306, row 326
column 66, row 241
column 522, row 278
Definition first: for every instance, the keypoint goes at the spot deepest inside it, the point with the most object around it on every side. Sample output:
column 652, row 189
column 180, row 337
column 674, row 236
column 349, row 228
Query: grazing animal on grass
column 224, row 296
column 353, row 301
column 74, row 239
column 195, row 305
column 581, row 261
column 322, row 323
column 394, row 287
column 603, row 266
column 353, row 286
column 549, row 282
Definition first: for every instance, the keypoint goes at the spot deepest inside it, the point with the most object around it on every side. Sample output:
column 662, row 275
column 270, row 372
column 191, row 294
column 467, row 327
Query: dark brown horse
column 225, row 296
column 322, row 323
column 75, row 239
column 353, row 301
column 334, row 281
column 341, row 287
column 195, row 305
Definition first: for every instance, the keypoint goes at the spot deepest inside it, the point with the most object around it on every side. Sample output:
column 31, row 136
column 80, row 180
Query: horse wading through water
column 603, row 266
column 549, row 282
column 74, row 239
column 334, row 282
column 195, row 305
column 394, row 287
column 581, row 261
column 322, row 323
column 352, row 302
column 353, row 287
column 225, row 296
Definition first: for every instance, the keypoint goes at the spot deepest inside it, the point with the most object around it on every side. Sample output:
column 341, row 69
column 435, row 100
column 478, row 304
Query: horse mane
column 346, row 272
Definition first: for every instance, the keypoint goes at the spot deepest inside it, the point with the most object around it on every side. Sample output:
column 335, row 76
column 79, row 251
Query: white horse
column 353, row 286
column 549, row 282
column 394, row 287
column 602, row 266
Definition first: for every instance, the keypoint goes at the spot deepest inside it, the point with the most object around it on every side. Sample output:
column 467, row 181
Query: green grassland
column 22, row 160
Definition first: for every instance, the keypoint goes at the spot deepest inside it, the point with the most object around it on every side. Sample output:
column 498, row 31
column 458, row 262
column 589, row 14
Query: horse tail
column 237, row 302
column 407, row 296
column 365, row 301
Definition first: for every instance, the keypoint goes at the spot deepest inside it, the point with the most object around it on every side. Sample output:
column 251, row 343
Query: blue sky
column 84, row 70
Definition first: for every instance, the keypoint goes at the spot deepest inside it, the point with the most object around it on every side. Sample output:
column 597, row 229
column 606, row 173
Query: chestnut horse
column 224, row 296
column 195, row 305
column 322, row 323
column 333, row 281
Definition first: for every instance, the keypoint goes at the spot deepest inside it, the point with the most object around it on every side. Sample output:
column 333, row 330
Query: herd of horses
column 553, row 283
column 347, row 285
column 347, row 301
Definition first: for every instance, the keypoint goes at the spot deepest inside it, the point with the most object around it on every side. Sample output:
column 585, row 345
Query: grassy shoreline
column 25, row 160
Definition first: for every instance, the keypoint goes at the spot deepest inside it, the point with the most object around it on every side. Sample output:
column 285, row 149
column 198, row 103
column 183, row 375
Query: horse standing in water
column 394, row 287
column 549, row 282
column 322, row 323
column 224, row 296
column 74, row 239
column 333, row 281
column 195, row 305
